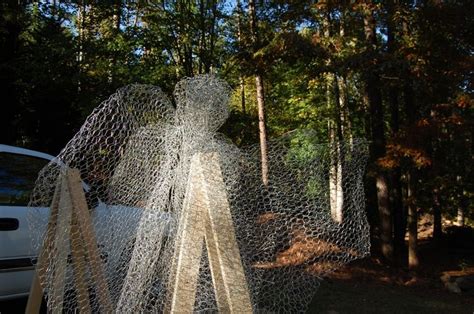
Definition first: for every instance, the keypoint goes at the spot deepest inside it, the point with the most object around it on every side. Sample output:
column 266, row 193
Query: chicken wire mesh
column 153, row 174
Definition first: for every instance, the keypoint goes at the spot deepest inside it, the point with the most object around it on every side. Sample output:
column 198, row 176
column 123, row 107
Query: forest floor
column 369, row 286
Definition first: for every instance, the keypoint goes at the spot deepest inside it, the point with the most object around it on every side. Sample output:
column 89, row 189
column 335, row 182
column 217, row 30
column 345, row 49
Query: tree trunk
column 242, row 93
column 410, row 111
column 462, row 204
column 436, row 156
column 336, row 196
column 399, row 215
column 333, row 98
column 262, row 128
column 335, row 180
column 460, row 217
column 396, row 199
column 437, row 218
column 341, row 88
column 239, row 39
column 260, row 96
column 413, row 261
column 116, row 20
column 202, row 38
column 81, row 18
column 335, row 139
column 344, row 115
column 212, row 36
column 374, row 96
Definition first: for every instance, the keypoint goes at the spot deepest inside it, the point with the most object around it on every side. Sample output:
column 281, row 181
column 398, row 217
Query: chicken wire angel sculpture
column 140, row 159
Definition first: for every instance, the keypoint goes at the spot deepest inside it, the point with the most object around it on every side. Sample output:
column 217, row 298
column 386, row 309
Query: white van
column 19, row 169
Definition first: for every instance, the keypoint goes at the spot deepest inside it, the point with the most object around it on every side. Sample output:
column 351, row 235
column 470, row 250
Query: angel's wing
column 308, row 221
column 110, row 151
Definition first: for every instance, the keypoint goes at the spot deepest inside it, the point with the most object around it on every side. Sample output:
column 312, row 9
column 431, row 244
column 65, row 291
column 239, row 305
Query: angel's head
column 202, row 102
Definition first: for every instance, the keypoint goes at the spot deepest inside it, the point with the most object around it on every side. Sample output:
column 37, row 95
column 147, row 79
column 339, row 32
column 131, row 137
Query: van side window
column 18, row 174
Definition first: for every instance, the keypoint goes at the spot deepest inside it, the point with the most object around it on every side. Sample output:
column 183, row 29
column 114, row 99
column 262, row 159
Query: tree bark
column 81, row 18
column 437, row 222
column 262, row 128
column 374, row 96
column 436, row 156
column 202, row 38
column 399, row 215
column 242, row 94
column 344, row 114
column 239, row 39
column 116, row 20
column 460, row 219
column 413, row 261
column 336, row 197
column 260, row 96
column 212, row 36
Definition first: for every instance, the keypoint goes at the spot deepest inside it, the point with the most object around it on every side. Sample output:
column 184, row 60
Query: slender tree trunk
column 242, row 94
column 212, row 37
column 399, row 215
column 341, row 88
column 336, row 195
column 260, row 97
column 202, row 37
column 262, row 128
column 80, row 53
column 333, row 95
column 182, row 40
column 116, row 20
column 460, row 217
column 337, row 138
column 239, row 38
column 335, row 180
column 413, row 261
column 378, row 141
column 462, row 204
column 437, row 218
column 396, row 200
column 344, row 115
column 436, row 156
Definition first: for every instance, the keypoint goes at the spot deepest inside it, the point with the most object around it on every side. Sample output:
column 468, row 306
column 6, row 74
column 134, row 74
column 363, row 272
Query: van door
column 18, row 174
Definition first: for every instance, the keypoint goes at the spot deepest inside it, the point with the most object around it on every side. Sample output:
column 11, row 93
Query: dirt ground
column 370, row 286
column 365, row 287
column 339, row 296
column 360, row 293
column 336, row 296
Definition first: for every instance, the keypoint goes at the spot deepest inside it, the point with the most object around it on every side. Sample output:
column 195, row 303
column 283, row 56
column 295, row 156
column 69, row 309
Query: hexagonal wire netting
column 134, row 155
